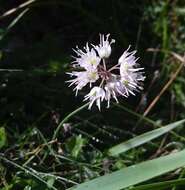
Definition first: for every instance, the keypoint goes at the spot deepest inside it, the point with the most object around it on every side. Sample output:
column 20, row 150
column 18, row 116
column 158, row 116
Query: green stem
column 67, row 118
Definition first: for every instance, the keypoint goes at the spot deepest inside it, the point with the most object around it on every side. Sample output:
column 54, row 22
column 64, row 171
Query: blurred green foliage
column 2, row 137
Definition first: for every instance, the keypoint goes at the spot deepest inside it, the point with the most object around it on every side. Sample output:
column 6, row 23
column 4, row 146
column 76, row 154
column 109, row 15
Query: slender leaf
column 135, row 174
column 12, row 24
column 161, row 185
column 144, row 138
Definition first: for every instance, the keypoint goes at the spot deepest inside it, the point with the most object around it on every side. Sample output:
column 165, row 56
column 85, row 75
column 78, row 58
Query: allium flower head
column 106, row 82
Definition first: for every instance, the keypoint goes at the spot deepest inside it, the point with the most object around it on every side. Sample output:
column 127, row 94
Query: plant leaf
column 2, row 137
column 135, row 174
column 144, row 138
column 160, row 185
column 78, row 146
column 50, row 181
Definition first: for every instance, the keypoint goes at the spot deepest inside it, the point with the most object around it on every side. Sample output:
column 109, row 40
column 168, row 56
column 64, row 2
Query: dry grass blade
column 173, row 77
column 11, row 11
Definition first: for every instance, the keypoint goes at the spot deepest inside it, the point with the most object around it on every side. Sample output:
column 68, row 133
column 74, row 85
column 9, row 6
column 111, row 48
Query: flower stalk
column 66, row 119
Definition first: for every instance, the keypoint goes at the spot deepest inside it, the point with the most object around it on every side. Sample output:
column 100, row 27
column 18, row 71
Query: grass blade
column 133, row 175
column 144, row 138
column 161, row 185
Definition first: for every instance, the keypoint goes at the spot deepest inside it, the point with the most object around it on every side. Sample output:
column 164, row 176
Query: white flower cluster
column 122, row 79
